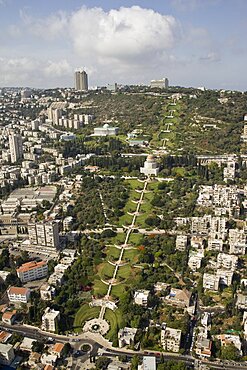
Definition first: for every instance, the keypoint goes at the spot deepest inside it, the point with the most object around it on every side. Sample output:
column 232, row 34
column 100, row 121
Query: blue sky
column 192, row 42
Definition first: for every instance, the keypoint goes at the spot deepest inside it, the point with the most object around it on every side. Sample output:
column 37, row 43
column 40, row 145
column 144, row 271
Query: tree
column 102, row 363
column 66, row 349
column 38, row 347
column 134, row 363
column 230, row 352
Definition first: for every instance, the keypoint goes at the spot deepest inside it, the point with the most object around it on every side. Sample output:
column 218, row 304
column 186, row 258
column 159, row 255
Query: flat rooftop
column 38, row 193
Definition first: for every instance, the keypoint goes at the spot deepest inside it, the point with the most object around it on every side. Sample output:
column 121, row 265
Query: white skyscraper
column 81, row 81
column 15, row 146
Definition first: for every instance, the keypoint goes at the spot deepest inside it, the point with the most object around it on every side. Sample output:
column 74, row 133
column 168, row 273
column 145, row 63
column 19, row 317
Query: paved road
column 97, row 344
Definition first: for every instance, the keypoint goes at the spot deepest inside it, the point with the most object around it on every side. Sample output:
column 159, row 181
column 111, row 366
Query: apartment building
column 141, row 297
column 126, row 336
column 181, row 242
column 170, row 339
column 227, row 261
column 210, row 281
column 32, row 271
column 47, row 292
column 7, row 354
column 50, row 320
column 44, row 234
column 195, row 259
column 18, row 294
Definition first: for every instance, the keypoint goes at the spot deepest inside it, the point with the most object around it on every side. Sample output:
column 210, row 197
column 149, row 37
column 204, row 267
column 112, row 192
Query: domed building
column 150, row 166
column 106, row 130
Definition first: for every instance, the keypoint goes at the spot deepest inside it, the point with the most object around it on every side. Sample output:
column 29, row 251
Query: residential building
column 215, row 244
column 225, row 277
column 50, row 320
column 241, row 301
column 15, row 146
column 181, row 242
column 226, row 339
column 105, row 130
column 47, row 292
column 195, row 259
column 18, row 294
column 203, row 347
column 7, row 354
column 58, row 349
column 148, row 363
column 150, row 166
column 32, row 271
column 211, row 281
column 44, row 234
column 161, row 84
column 126, row 336
column 4, row 336
column 179, row 297
column 227, row 261
column 54, row 115
column 81, row 80
column 141, row 297
column 9, row 317
column 170, row 339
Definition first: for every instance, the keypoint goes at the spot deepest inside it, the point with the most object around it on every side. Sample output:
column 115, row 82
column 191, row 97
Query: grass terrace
column 84, row 314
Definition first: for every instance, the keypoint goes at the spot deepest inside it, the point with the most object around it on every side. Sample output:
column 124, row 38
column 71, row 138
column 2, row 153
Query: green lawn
column 99, row 288
column 118, row 239
column 131, row 254
column 140, row 220
column 146, row 207
column 106, row 270
column 135, row 239
column 84, row 314
column 113, row 252
column 118, row 290
column 135, row 184
column 124, row 272
column 115, row 320
column 125, row 220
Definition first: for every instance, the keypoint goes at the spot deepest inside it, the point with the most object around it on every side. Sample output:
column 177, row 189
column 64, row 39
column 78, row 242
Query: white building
column 149, row 363
column 106, row 130
column 150, row 166
column 210, row 281
column 47, row 292
column 32, row 271
column 181, row 242
column 15, row 146
column 50, row 320
column 18, row 294
column 44, row 234
column 126, row 336
column 161, row 84
column 195, row 259
column 7, row 354
column 141, row 297
column 170, row 339
column 227, row 261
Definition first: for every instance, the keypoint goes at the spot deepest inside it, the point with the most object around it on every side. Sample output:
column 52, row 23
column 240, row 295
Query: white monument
column 150, row 166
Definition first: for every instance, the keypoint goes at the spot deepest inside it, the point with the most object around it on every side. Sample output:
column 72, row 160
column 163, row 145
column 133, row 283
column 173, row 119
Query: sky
column 191, row 42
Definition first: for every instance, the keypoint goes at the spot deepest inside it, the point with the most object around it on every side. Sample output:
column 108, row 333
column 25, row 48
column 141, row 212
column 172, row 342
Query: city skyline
column 192, row 42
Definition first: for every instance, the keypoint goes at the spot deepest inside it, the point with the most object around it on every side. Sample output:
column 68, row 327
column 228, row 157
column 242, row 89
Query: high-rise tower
column 81, row 81
column 15, row 146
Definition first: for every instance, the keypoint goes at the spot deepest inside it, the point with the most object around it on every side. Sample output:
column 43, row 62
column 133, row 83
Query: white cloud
column 57, row 69
column 48, row 28
column 211, row 57
column 32, row 72
column 124, row 42
column 124, row 34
